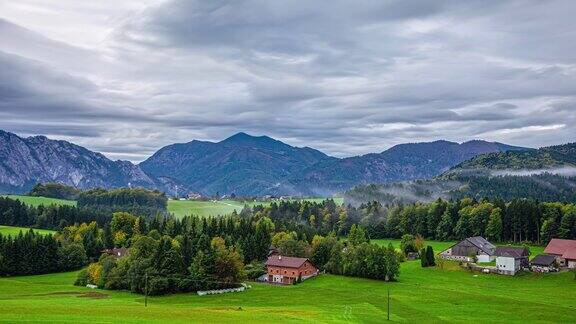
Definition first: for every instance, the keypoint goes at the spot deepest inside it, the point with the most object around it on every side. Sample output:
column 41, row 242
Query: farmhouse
column 117, row 252
column 470, row 248
column 543, row 263
column 286, row 270
column 564, row 251
column 510, row 260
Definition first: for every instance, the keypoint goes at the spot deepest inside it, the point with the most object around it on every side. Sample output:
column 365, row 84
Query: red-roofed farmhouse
column 564, row 251
column 286, row 270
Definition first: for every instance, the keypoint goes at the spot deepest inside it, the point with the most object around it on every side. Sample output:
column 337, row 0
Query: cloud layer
column 346, row 79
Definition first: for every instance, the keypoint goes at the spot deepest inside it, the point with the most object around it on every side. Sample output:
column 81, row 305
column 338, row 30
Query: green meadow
column 11, row 230
column 179, row 208
column 440, row 246
column 421, row 295
column 36, row 201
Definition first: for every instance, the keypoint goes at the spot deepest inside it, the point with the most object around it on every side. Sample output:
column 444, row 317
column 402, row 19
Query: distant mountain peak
column 244, row 138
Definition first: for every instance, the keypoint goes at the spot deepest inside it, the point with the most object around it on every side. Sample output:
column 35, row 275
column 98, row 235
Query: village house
column 117, row 252
column 543, row 263
column 564, row 251
column 470, row 248
column 286, row 270
column 510, row 260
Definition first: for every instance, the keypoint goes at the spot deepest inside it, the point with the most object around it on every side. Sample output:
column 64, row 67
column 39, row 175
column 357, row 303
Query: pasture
column 11, row 230
column 420, row 295
column 440, row 246
column 37, row 201
column 181, row 208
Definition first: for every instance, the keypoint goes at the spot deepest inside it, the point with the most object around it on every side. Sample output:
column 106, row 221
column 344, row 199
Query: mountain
column 241, row 164
column 27, row 161
column 543, row 158
column 399, row 163
column 545, row 174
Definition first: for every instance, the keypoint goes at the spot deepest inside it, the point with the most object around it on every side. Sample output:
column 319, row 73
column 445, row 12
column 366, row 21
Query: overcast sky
column 347, row 77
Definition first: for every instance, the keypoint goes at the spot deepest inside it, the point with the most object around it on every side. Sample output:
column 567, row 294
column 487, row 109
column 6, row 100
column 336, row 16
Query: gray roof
column 482, row 244
column 512, row 252
column 543, row 260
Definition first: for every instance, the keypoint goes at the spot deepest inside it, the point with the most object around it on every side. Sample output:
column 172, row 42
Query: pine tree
column 430, row 256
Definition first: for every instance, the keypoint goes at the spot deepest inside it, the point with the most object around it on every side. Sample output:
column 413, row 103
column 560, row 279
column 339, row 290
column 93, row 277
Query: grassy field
column 421, row 295
column 36, row 201
column 440, row 246
column 11, row 230
column 181, row 208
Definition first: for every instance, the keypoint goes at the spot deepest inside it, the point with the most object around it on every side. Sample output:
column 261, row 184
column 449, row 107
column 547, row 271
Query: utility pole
column 388, row 304
column 146, row 290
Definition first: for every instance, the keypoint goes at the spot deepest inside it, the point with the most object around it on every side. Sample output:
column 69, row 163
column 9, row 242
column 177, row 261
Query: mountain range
column 545, row 174
column 241, row 164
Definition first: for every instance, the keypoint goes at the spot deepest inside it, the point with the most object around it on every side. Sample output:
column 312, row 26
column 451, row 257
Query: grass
column 37, row 201
column 11, row 230
column 181, row 208
column 437, row 246
column 421, row 295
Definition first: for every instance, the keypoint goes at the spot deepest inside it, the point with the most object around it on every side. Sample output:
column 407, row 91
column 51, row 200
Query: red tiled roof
column 570, row 254
column 565, row 248
column 284, row 261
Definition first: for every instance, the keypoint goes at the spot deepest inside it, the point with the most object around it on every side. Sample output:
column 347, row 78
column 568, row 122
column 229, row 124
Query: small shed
column 543, row 263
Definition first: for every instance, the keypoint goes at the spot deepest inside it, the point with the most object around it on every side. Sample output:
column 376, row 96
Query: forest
column 477, row 184
column 137, row 201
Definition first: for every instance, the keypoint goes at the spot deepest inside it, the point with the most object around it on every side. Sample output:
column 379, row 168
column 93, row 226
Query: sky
column 126, row 78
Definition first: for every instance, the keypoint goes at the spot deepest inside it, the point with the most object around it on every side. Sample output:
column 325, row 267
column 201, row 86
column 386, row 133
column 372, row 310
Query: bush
column 431, row 260
column 71, row 257
column 81, row 279
column 254, row 270
column 158, row 286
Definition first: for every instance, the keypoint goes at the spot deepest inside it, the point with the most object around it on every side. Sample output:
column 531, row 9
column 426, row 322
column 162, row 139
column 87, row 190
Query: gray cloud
column 346, row 79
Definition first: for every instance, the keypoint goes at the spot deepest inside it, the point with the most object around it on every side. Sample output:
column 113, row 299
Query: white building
column 510, row 260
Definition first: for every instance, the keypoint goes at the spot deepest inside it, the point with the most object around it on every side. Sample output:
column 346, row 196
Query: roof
column 117, row 252
column 570, row 254
column 285, row 261
column 512, row 252
column 564, row 248
column 482, row 244
column 543, row 260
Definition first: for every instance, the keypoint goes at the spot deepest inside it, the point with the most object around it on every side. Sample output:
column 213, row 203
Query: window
column 285, row 271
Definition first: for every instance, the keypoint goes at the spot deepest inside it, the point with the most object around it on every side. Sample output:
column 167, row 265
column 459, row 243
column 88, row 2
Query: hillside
column 399, row 163
column 27, row 161
column 543, row 158
column 249, row 165
column 546, row 174
column 241, row 164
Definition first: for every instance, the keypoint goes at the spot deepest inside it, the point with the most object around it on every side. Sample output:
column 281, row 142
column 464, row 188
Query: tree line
column 137, row 201
column 13, row 212
column 515, row 221
column 31, row 253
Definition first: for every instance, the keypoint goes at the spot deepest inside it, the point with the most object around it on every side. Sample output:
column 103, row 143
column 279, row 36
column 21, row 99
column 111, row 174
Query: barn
column 470, row 248
column 564, row 251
